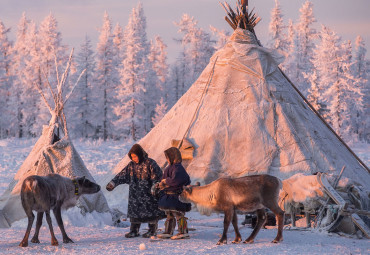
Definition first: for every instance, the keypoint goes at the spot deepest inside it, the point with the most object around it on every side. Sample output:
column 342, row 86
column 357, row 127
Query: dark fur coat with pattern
column 140, row 177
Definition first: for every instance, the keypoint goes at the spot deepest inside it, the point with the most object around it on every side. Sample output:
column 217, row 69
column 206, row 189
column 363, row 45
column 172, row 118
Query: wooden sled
column 338, row 211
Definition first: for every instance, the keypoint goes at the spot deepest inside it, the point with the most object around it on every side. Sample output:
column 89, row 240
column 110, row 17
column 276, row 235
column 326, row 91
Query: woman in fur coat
column 140, row 174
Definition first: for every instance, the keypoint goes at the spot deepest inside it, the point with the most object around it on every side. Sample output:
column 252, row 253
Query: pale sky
column 77, row 18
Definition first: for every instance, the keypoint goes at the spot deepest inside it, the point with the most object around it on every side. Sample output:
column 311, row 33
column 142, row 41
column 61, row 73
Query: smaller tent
column 51, row 154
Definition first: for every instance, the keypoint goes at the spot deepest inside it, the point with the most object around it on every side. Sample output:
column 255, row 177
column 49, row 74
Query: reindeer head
column 187, row 191
column 86, row 186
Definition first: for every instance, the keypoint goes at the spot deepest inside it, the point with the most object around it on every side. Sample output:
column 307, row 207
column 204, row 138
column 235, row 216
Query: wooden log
column 361, row 225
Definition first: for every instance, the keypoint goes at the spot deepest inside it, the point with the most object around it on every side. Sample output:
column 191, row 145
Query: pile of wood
column 240, row 17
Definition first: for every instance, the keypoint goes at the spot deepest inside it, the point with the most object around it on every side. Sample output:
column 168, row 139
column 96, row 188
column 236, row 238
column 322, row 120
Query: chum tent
column 51, row 154
column 243, row 116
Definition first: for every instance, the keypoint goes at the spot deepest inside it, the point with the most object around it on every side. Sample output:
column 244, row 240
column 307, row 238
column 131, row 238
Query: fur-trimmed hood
column 138, row 151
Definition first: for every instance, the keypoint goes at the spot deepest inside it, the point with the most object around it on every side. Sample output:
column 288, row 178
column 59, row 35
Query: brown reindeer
column 51, row 192
column 247, row 194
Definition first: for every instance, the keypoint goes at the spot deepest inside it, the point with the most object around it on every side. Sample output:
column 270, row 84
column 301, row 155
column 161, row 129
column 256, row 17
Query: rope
column 197, row 108
column 200, row 100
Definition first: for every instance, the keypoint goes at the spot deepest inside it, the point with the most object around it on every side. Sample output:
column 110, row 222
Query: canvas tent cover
column 250, row 120
column 46, row 157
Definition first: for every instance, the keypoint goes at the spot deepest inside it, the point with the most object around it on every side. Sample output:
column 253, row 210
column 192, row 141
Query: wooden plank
column 361, row 224
column 333, row 194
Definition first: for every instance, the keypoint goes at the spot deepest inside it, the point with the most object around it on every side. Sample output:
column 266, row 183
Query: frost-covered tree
column 366, row 126
column 50, row 48
column 158, row 57
column 276, row 29
column 315, row 93
column 82, row 105
column 355, row 94
column 29, row 78
column 105, row 87
column 130, row 111
column 118, row 53
column 19, row 55
column 333, row 66
column 306, row 35
column 290, row 65
column 177, row 80
column 359, row 68
column 160, row 111
column 158, row 75
column 7, row 113
column 197, row 49
column 222, row 37
column 359, row 61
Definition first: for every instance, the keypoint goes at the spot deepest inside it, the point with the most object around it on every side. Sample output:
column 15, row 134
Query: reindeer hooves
column 54, row 242
column 238, row 240
column 249, row 241
column 277, row 240
column 23, row 244
column 67, row 240
column 222, row 242
column 35, row 240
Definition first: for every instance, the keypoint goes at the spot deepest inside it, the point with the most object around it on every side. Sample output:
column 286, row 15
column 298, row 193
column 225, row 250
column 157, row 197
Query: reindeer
column 51, row 192
column 247, row 194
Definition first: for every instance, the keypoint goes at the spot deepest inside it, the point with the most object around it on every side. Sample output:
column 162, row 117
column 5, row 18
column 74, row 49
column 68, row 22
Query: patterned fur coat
column 142, row 206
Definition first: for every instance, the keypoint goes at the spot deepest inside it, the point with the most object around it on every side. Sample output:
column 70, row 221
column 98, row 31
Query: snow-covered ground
column 93, row 236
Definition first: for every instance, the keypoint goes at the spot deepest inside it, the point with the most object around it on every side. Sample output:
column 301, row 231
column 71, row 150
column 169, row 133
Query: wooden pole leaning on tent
column 243, row 20
column 178, row 143
column 324, row 205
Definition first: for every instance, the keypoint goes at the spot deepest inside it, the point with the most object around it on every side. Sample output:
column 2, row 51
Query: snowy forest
column 128, row 84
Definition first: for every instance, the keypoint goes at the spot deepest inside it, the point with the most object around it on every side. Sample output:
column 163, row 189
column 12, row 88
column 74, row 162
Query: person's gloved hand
column 162, row 185
column 155, row 189
column 110, row 186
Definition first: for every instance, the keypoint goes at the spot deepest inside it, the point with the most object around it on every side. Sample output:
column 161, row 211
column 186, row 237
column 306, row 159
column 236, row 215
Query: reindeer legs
column 227, row 219
column 31, row 218
column 35, row 238
column 292, row 214
column 238, row 237
column 280, row 219
column 54, row 241
column 261, row 219
column 58, row 217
